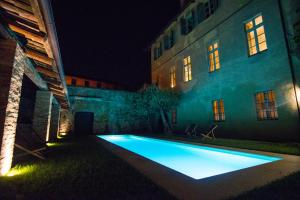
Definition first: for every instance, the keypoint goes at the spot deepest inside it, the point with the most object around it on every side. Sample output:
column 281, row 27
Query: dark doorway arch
column 84, row 123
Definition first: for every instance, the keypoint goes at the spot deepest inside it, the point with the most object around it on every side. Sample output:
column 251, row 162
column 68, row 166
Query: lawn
column 78, row 169
column 275, row 147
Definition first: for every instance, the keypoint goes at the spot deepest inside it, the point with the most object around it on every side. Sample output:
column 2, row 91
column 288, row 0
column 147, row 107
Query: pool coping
column 221, row 186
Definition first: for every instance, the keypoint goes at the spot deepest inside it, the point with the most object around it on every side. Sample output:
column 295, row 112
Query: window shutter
column 200, row 13
column 193, row 19
column 166, row 42
column 183, row 26
column 172, row 38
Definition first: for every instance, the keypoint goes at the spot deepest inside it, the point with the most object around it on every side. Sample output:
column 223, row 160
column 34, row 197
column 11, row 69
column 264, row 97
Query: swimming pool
column 192, row 160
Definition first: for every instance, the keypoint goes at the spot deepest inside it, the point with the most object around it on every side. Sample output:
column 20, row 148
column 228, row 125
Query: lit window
column 213, row 57
column 173, row 77
column 256, row 35
column 187, row 69
column 218, row 110
column 265, row 106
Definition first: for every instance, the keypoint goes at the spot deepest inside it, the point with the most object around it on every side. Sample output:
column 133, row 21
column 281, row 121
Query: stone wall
column 12, row 64
column 42, row 114
column 66, row 122
column 111, row 109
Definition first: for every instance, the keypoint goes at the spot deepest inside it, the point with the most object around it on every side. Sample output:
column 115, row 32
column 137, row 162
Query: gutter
column 46, row 9
column 289, row 56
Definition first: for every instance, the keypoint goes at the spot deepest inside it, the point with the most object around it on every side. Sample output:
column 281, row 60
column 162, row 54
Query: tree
column 162, row 102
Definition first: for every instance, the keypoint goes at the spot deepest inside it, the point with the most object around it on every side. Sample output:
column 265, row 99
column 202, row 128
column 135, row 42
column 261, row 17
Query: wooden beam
column 46, row 72
column 39, row 57
column 48, row 48
column 20, row 5
column 17, row 18
column 55, row 93
column 38, row 14
column 22, row 13
column 59, row 86
column 30, row 34
column 51, row 80
column 37, row 48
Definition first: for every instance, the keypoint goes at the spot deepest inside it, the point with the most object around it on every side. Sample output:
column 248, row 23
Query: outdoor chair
column 190, row 130
column 210, row 134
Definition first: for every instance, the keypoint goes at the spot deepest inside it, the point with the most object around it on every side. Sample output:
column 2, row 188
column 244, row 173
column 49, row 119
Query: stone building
column 32, row 85
column 235, row 64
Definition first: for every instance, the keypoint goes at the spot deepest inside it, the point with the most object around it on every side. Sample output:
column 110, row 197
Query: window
column 86, row 83
column 157, row 51
column 265, row 106
column 172, row 38
column 166, row 42
column 210, row 7
column 256, row 35
column 218, row 110
column 173, row 77
column 297, row 34
column 188, row 22
column 169, row 40
column 213, row 57
column 73, row 82
column 187, row 69
column 174, row 116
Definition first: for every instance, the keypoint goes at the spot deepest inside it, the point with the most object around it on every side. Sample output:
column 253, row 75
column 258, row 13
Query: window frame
column 220, row 115
column 173, row 77
column 267, row 108
column 213, row 52
column 254, row 29
column 189, row 69
column 212, row 6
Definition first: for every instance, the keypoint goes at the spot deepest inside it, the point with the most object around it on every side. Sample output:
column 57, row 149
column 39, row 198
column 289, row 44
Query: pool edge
column 233, row 183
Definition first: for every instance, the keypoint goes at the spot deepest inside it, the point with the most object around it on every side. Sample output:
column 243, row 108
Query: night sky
column 110, row 40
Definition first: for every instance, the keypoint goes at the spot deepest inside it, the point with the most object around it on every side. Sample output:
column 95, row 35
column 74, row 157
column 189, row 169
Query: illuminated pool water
column 192, row 160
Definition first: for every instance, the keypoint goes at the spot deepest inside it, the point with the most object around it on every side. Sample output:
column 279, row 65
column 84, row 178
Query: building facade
column 235, row 64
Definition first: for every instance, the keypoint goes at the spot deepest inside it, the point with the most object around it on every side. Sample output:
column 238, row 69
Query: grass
column 283, row 148
column 78, row 169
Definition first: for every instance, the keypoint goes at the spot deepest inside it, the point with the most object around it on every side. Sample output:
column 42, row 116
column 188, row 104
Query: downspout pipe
column 46, row 9
column 289, row 57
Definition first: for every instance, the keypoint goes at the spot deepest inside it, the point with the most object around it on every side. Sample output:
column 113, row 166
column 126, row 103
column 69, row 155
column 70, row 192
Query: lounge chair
column 210, row 134
column 35, row 152
column 190, row 130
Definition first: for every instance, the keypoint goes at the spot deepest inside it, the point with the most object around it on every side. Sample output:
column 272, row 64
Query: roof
column 31, row 24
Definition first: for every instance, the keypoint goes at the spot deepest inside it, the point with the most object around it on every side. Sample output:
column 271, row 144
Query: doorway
column 84, row 123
